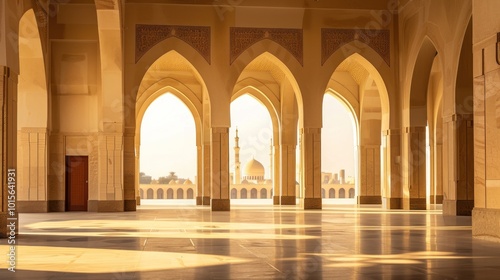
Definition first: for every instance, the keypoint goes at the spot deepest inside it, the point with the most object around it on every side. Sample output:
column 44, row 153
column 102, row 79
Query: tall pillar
column 369, row 187
column 8, row 91
column 311, row 143
column 204, row 193
column 436, row 195
column 220, row 169
column 199, row 172
column 414, row 191
column 459, row 179
column 32, row 165
column 110, row 174
column 288, row 181
column 392, row 197
column 131, row 156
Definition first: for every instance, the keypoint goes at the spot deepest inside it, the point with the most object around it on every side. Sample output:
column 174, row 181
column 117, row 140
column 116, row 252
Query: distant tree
column 144, row 179
column 163, row 180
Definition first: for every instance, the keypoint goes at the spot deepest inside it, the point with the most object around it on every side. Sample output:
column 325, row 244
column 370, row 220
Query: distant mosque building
column 252, row 184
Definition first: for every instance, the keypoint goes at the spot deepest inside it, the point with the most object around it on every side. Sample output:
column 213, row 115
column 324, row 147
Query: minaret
column 237, row 175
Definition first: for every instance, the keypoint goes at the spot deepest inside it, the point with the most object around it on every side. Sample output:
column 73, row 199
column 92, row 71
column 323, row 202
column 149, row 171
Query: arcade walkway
column 251, row 242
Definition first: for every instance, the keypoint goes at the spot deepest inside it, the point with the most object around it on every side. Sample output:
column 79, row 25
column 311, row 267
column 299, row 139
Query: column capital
column 219, row 129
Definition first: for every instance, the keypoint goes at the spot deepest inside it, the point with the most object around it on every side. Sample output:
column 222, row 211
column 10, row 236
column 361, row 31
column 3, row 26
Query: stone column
column 436, row 196
column 288, row 168
column 459, row 179
column 203, row 197
column 220, row 169
column 414, row 191
column 32, row 165
column 311, row 143
column 199, row 175
column 8, row 91
column 110, row 174
column 392, row 179
column 369, row 187
column 131, row 157
column 276, row 178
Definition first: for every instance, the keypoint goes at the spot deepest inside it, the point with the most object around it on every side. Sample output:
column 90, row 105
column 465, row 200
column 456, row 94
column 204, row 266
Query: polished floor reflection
column 251, row 242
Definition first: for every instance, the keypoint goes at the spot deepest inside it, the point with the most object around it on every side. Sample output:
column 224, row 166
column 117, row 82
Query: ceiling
column 313, row 4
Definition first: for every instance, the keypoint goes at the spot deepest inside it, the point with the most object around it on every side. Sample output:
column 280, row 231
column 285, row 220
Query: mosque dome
column 172, row 182
column 254, row 170
column 188, row 182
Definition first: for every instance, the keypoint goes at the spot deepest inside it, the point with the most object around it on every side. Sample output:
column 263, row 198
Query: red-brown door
column 76, row 183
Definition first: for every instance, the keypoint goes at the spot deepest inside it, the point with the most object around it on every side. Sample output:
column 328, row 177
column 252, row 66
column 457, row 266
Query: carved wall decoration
column 106, row 4
column 242, row 38
column 334, row 39
column 147, row 36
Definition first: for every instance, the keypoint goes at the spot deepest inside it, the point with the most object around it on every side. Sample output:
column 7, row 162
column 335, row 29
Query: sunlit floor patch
column 178, row 234
column 364, row 260
column 82, row 260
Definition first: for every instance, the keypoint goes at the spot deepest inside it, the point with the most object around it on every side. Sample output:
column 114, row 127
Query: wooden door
column 76, row 183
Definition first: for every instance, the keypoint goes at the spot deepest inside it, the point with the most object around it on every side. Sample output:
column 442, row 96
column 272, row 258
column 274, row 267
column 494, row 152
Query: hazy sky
column 168, row 136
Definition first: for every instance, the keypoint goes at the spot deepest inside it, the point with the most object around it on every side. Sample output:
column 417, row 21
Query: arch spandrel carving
column 147, row 36
column 334, row 39
column 241, row 38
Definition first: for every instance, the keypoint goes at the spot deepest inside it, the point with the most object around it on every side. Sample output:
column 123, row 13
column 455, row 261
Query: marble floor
column 250, row 242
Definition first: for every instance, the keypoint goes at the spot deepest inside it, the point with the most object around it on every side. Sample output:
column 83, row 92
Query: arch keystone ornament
column 333, row 39
column 241, row 38
column 147, row 36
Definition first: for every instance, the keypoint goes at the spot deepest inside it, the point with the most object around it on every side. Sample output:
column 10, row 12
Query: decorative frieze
column 147, row 36
column 334, row 39
column 243, row 37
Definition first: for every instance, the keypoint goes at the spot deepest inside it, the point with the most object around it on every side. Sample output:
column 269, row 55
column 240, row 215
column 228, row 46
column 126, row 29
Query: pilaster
column 392, row 196
column 311, row 143
column 8, row 142
column 220, row 169
column 369, row 186
column 459, row 157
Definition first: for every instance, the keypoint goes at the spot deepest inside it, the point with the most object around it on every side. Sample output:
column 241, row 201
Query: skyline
column 169, row 145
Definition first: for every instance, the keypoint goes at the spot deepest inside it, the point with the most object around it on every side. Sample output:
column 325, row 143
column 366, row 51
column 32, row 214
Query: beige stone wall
column 486, row 213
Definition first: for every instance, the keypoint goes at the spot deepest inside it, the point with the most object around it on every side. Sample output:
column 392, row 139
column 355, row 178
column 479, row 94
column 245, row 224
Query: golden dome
column 254, row 169
column 188, row 182
column 172, row 182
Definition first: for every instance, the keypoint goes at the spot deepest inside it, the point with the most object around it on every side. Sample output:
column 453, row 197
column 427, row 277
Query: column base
column 458, row 207
column 415, row 204
column 130, row 205
column 375, row 199
column 105, row 206
column 26, row 206
column 203, row 200
column 138, row 200
column 392, row 203
column 5, row 230
column 276, row 200
column 436, row 199
column 486, row 224
column 312, row 203
column 199, row 200
column 206, row 200
column 221, row 204
column 37, row 206
column 289, row 200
